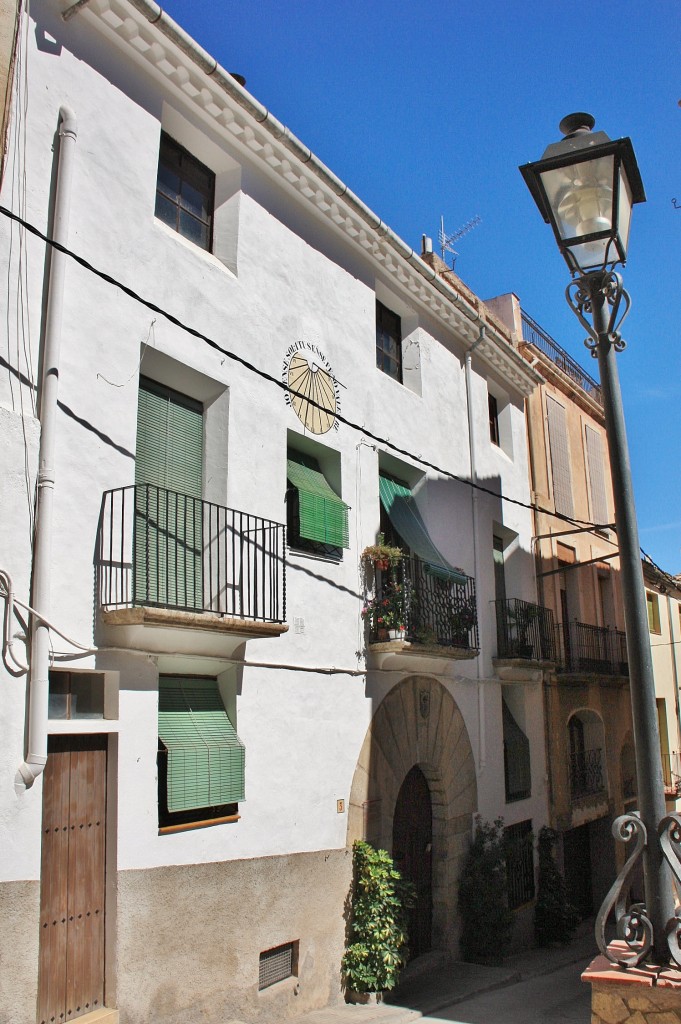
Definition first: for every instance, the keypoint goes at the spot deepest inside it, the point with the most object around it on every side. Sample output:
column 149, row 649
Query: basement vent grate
column 275, row 965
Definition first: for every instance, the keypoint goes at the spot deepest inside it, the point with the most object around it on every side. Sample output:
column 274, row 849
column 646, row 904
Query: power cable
column 227, row 353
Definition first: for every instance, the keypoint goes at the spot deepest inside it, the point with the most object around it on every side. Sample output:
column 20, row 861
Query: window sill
column 314, row 557
column 189, row 826
column 198, row 250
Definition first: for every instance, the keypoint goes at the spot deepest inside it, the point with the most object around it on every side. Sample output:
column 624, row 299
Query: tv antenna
column 447, row 241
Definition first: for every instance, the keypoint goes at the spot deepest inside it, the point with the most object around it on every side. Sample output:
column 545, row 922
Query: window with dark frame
column 388, row 342
column 519, row 864
column 493, row 410
column 185, row 193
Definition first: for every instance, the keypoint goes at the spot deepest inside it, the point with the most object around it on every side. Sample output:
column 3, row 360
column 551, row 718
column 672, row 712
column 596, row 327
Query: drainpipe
column 482, row 756
column 36, row 743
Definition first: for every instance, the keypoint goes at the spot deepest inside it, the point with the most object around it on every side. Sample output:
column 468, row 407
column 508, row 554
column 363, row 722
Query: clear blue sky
column 427, row 109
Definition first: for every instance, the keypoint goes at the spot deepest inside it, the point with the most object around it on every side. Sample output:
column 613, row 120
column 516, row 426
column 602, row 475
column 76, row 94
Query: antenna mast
column 447, row 241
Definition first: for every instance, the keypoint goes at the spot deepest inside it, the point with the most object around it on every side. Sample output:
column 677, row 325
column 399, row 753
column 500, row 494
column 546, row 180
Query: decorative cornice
column 142, row 29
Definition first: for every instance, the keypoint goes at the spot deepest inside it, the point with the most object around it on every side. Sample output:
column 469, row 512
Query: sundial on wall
column 312, row 388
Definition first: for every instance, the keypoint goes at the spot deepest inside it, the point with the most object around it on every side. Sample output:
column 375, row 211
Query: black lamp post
column 585, row 187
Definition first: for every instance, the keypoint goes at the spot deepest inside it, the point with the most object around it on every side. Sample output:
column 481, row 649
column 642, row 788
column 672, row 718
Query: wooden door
column 412, row 851
column 72, row 892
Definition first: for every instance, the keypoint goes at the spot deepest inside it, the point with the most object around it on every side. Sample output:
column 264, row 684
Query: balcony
column 586, row 773
column 165, row 558
column 534, row 335
column 525, row 630
column 436, row 610
column 594, row 650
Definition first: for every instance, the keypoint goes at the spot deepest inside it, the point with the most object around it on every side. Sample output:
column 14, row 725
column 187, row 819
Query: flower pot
column 382, row 635
column 396, row 634
column 381, row 563
column 363, row 998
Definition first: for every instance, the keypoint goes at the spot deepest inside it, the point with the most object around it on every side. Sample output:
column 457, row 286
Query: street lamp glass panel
column 581, row 197
column 624, row 214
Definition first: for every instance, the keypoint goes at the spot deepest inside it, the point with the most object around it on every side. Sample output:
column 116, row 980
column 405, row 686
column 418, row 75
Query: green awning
column 206, row 758
column 323, row 516
column 403, row 512
column 516, row 756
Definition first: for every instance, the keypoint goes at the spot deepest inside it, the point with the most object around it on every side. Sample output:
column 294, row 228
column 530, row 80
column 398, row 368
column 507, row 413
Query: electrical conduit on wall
column 36, row 746
column 482, row 737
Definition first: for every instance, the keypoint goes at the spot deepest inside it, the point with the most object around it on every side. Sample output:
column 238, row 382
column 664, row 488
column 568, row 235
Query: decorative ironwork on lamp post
column 585, row 187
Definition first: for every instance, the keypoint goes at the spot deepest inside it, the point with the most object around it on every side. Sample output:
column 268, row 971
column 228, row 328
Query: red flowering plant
column 387, row 609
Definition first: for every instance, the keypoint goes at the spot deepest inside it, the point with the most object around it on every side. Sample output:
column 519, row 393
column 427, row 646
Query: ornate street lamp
column 585, row 187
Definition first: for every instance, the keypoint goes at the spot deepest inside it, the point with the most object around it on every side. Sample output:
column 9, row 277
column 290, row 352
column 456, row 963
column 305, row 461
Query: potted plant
column 521, row 615
column 378, row 950
column 382, row 555
column 463, row 619
column 386, row 611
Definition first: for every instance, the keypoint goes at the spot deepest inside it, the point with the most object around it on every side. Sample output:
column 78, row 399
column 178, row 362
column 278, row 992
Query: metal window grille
column 276, row 965
column 519, row 863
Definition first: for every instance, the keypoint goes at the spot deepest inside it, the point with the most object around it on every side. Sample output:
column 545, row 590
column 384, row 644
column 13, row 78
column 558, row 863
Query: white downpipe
column 482, row 737
column 36, row 741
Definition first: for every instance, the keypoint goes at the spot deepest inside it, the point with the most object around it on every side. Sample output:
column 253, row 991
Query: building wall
column 280, row 276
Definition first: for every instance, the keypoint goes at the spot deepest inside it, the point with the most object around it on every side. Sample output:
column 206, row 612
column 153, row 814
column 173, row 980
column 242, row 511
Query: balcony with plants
column 525, row 630
column 418, row 605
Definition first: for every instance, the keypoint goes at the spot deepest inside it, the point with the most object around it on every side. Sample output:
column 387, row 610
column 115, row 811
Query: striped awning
column 323, row 516
column 403, row 512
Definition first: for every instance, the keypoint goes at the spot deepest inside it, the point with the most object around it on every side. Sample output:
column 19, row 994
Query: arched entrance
column 412, row 852
column 418, row 722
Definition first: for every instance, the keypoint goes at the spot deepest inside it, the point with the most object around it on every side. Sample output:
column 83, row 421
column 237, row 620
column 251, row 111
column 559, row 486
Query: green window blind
column 516, row 757
column 323, row 516
column 403, row 512
column 168, row 513
column 206, row 758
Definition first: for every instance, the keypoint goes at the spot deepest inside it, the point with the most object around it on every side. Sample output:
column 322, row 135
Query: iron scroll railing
column 525, row 630
column 586, row 773
column 534, row 334
column 432, row 606
column 160, row 548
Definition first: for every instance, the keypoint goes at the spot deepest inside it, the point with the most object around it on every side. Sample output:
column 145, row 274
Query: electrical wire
column 240, row 360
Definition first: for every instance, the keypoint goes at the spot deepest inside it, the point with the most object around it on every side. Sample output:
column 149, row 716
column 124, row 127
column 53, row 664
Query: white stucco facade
column 296, row 263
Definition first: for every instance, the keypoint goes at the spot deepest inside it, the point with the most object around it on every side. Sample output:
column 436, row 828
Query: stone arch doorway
column 418, row 723
column 412, row 850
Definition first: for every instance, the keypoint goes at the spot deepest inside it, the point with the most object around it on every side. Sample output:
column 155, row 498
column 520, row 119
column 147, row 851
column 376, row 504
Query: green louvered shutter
column 206, row 758
column 168, row 514
column 323, row 516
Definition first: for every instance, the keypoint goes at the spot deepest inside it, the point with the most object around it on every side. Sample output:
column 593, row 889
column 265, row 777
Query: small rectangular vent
column 298, row 624
column 277, row 964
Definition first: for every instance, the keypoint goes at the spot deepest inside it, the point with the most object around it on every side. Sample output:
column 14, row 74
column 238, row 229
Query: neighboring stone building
column 582, row 643
column 663, row 597
column 230, row 722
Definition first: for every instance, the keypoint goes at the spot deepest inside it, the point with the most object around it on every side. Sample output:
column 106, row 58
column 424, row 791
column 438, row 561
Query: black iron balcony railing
column 433, row 607
column 525, row 630
column 593, row 649
column 536, row 336
column 586, row 773
column 163, row 549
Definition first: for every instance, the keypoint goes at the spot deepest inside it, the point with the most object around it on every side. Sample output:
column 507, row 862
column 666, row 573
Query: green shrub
column 379, row 900
column 555, row 919
column 486, row 921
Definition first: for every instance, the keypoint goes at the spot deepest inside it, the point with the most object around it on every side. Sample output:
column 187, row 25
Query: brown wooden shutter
column 594, row 452
column 560, row 457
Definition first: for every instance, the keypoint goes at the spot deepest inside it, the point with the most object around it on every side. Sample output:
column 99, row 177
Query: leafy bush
column 379, row 899
column 555, row 919
column 483, row 901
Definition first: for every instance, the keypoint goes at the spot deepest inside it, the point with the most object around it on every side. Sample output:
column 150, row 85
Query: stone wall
column 643, row 995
